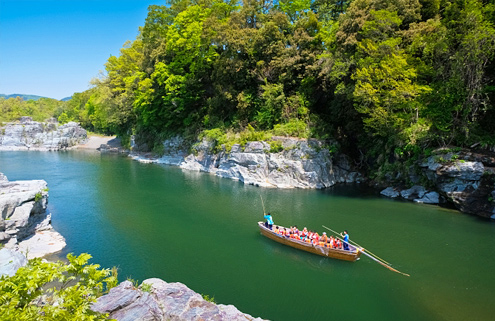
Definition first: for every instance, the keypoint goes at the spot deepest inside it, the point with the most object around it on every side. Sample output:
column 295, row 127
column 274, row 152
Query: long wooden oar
column 376, row 259
column 354, row 243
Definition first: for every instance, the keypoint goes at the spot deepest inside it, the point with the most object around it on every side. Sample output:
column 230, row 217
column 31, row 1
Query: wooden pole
column 354, row 243
column 376, row 259
column 385, row 265
column 262, row 204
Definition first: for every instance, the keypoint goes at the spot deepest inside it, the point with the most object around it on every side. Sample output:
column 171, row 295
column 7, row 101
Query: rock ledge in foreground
column 163, row 301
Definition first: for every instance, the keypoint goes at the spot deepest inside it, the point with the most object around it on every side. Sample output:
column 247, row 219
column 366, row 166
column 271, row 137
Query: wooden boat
column 351, row 255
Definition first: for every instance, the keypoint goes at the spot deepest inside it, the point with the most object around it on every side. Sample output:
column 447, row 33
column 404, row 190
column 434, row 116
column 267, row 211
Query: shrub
column 295, row 128
column 65, row 290
column 146, row 287
column 206, row 297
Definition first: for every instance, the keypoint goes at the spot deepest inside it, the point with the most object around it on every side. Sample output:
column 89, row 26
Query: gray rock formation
column 162, row 301
column 31, row 135
column 301, row 163
column 23, row 216
column 390, row 192
column 11, row 261
column 429, row 198
column 415, row 192
column 464, row 179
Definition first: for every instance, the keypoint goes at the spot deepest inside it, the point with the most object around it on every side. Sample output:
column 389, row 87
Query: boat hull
column 352, row 255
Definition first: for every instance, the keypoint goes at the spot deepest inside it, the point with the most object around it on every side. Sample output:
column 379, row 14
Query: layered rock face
column 464, row 179
column 32, row 135
column 25, row 223
column 157, row 300
column 300, row 164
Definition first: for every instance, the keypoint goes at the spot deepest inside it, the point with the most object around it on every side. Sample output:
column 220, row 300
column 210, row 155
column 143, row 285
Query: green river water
column 158, row 221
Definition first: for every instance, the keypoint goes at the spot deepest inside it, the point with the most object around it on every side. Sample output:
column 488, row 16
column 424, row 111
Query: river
column 156, row 221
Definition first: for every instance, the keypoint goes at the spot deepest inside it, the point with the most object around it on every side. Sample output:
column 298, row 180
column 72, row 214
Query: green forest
column 387, row 79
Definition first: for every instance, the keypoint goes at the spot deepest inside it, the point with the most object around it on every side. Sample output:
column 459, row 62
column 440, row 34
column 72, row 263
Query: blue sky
column 54, row 48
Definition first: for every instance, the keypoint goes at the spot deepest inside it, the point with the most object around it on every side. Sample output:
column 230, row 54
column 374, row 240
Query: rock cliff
column 157, row 300
column 464, row 179
column 31, row 135
column 24, row 222
column 300, row 163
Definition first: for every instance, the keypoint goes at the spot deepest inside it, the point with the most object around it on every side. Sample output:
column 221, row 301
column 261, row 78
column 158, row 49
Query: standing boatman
column 269, row 220
column 346, row 240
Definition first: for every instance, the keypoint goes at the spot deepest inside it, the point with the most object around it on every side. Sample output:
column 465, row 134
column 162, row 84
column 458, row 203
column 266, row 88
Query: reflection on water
column 195, row 228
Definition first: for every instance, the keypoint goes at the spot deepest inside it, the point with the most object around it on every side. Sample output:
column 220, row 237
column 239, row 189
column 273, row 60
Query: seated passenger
column 304, row 232
column 328, row 244
column 338, row 244
column 276, row 230
column 296, row 230
column 316, row 238
column 324, row 237
column 332, row 242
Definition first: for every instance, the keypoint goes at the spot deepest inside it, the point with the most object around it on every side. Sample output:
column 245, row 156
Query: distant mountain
column 29, row 97
column 24, row 97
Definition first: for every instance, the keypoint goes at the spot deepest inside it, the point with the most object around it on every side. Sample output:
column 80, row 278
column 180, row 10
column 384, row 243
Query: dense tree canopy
column 379, row 76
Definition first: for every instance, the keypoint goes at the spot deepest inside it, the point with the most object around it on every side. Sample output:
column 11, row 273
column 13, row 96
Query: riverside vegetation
column 55, row 290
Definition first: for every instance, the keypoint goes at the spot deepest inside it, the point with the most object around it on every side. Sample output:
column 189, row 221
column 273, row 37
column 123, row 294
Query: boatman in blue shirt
column 269, row 220
column 346, row 240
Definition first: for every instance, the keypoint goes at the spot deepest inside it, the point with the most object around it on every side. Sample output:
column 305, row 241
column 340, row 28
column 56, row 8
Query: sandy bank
column 95, row 142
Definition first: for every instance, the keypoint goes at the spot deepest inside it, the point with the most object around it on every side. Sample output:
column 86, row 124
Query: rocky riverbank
column 48, row 136
column 464, row 179
column 25, row 225
column 300, row 163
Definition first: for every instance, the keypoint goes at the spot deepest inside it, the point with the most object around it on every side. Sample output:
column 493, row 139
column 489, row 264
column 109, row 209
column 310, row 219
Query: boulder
column 11, row 261
column 156, row 299
column 390, row 192
column 414, row 192
column 429, row 198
